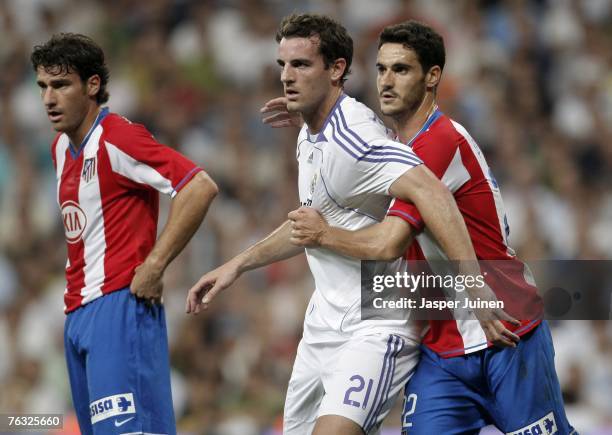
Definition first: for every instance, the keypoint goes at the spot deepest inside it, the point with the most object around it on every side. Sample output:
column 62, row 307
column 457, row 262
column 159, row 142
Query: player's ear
column 432, row 78
column 338, row 68
column 93, row 85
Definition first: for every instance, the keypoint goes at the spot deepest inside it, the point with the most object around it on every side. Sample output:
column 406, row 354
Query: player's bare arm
column 438, row 209
column 275, row 247
column 385, row 241
column 187, row 211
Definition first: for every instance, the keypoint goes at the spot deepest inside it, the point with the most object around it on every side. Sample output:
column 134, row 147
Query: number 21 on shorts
column 352, row 395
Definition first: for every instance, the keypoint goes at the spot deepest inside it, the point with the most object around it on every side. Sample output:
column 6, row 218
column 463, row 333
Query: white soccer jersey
column 345, row 172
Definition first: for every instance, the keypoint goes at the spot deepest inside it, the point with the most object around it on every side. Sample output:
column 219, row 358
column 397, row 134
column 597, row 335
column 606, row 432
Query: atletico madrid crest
column 89, row 169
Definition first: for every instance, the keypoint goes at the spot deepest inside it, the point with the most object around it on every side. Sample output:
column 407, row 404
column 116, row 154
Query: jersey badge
column 313, row 183
column 89, row 169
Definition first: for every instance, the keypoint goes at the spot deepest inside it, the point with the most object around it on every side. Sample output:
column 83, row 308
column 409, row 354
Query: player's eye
column 301, row 64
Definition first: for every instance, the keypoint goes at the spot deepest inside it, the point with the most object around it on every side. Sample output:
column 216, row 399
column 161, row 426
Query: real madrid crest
column 313, row 183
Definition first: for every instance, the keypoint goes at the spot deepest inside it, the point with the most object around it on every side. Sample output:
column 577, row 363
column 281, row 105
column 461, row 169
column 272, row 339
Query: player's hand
column 147, row 283
column 308, row 227
column 491, row 321
column 282, row 118
column 497, row 333
column 203, row 292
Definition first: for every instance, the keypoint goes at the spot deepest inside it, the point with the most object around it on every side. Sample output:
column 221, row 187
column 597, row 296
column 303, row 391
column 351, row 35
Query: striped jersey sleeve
column 366, row 154
column 135, row 154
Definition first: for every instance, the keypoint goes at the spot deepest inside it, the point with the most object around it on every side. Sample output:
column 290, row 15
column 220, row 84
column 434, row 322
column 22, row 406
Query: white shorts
column 358, row 378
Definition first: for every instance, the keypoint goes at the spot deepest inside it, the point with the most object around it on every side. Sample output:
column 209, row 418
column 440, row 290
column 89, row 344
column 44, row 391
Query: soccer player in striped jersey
column 347, row 372
column 109, row 175
column 462, row 382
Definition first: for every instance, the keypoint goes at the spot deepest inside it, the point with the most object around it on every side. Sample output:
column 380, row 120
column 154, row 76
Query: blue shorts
column 117, row 355
column 516, row 390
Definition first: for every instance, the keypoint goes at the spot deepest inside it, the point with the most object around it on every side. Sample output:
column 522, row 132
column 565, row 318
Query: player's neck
column 316, row 120
column 408, row 124
column 78, row 135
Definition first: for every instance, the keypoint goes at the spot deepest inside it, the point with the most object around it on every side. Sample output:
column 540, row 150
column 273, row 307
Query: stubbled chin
column 384, row 108
column 59, row 127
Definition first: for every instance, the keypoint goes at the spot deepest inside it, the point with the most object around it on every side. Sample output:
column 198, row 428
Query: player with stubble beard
column 463, row 382
column 109, row 174
column 348, row 372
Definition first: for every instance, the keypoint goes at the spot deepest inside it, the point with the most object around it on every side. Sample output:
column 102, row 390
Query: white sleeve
column 367, row 156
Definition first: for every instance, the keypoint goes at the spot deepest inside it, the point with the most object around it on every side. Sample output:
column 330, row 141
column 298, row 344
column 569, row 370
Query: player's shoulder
column 357, row 135
column 356, row 130
column 120, row 130
column 115, row 122
column 443, row 132
column 352, row 114
column 461, row 132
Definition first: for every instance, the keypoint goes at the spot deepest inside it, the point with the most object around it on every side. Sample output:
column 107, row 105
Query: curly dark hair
column 335, row 42
column 72, row 52
column 425, row 41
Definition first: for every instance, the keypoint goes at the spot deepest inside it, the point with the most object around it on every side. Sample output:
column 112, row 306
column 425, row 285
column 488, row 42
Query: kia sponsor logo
column 74, row 220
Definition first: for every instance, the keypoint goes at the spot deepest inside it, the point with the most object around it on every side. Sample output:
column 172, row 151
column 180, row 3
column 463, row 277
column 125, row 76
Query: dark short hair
column 335, row 42
column 425, row 41
column 72, row 52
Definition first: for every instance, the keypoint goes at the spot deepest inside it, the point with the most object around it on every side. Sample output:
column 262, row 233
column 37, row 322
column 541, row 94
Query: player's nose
column 48, row 97
column 385, row 81
column 287, row 74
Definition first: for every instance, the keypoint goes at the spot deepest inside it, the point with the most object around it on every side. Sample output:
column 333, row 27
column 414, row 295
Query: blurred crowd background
column 531, row 81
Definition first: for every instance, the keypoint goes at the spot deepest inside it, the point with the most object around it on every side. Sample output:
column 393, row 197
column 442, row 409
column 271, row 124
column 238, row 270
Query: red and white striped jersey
column 453, row 156
column 107, row 190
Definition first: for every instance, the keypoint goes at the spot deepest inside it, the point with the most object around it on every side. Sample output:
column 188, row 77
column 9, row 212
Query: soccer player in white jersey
column 109, row 173
column 347, row 372
column 462, row 382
